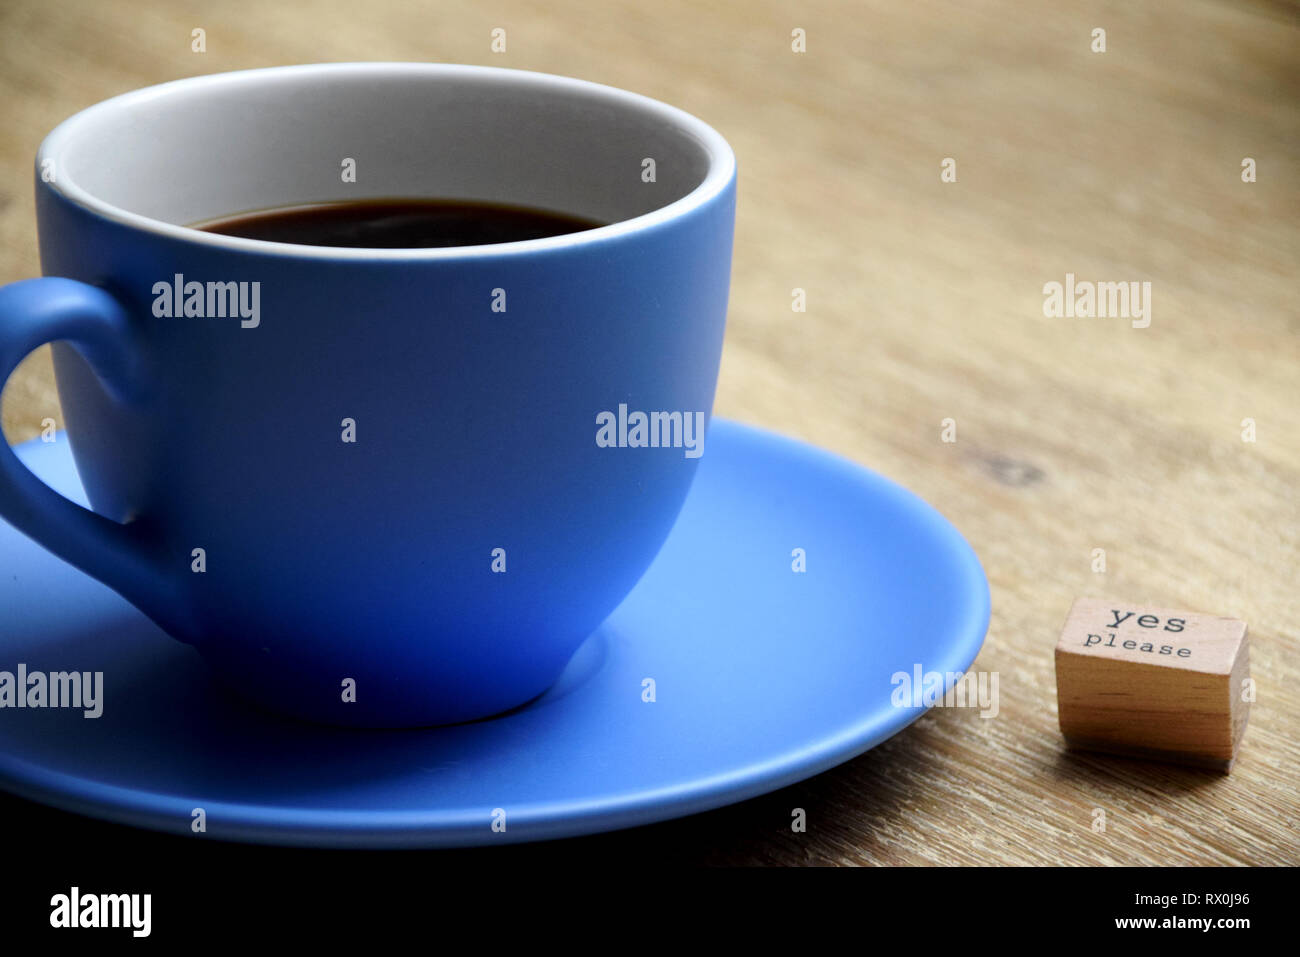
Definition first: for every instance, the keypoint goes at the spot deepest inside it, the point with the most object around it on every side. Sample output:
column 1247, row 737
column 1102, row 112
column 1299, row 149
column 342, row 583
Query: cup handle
column 32, row 313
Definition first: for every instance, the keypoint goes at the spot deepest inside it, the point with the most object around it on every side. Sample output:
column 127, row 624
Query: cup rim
column 720, row 173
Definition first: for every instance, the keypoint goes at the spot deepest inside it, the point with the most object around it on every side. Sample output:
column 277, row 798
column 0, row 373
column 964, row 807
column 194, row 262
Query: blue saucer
column 762, row 676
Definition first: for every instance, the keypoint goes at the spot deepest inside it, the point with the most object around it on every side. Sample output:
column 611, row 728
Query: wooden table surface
column 924, row 303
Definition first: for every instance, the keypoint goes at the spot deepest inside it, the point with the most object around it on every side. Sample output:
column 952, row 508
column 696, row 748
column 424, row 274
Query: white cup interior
column 214, row 146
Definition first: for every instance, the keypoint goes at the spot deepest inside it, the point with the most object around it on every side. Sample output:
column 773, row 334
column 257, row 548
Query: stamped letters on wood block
column 1152, row 682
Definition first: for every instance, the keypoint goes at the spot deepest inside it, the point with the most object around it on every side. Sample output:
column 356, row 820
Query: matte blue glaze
column 475, row 431
column 762, row 677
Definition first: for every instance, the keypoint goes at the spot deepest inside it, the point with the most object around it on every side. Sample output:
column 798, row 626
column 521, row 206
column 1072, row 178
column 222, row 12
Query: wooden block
column 1152, row 682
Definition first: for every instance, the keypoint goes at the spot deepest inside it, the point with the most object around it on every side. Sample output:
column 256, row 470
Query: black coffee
column 399, row 224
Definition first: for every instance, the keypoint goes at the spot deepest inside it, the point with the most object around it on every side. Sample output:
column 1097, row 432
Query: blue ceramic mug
column 374, row 487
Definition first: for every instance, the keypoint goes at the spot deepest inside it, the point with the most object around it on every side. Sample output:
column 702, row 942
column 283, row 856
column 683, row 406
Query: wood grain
column 925, row 303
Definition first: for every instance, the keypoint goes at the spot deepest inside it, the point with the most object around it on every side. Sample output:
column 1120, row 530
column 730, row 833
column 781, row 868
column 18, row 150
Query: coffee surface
column 399, row 224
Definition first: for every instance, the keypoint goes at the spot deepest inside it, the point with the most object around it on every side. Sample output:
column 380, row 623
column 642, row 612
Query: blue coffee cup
column 374, row 487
